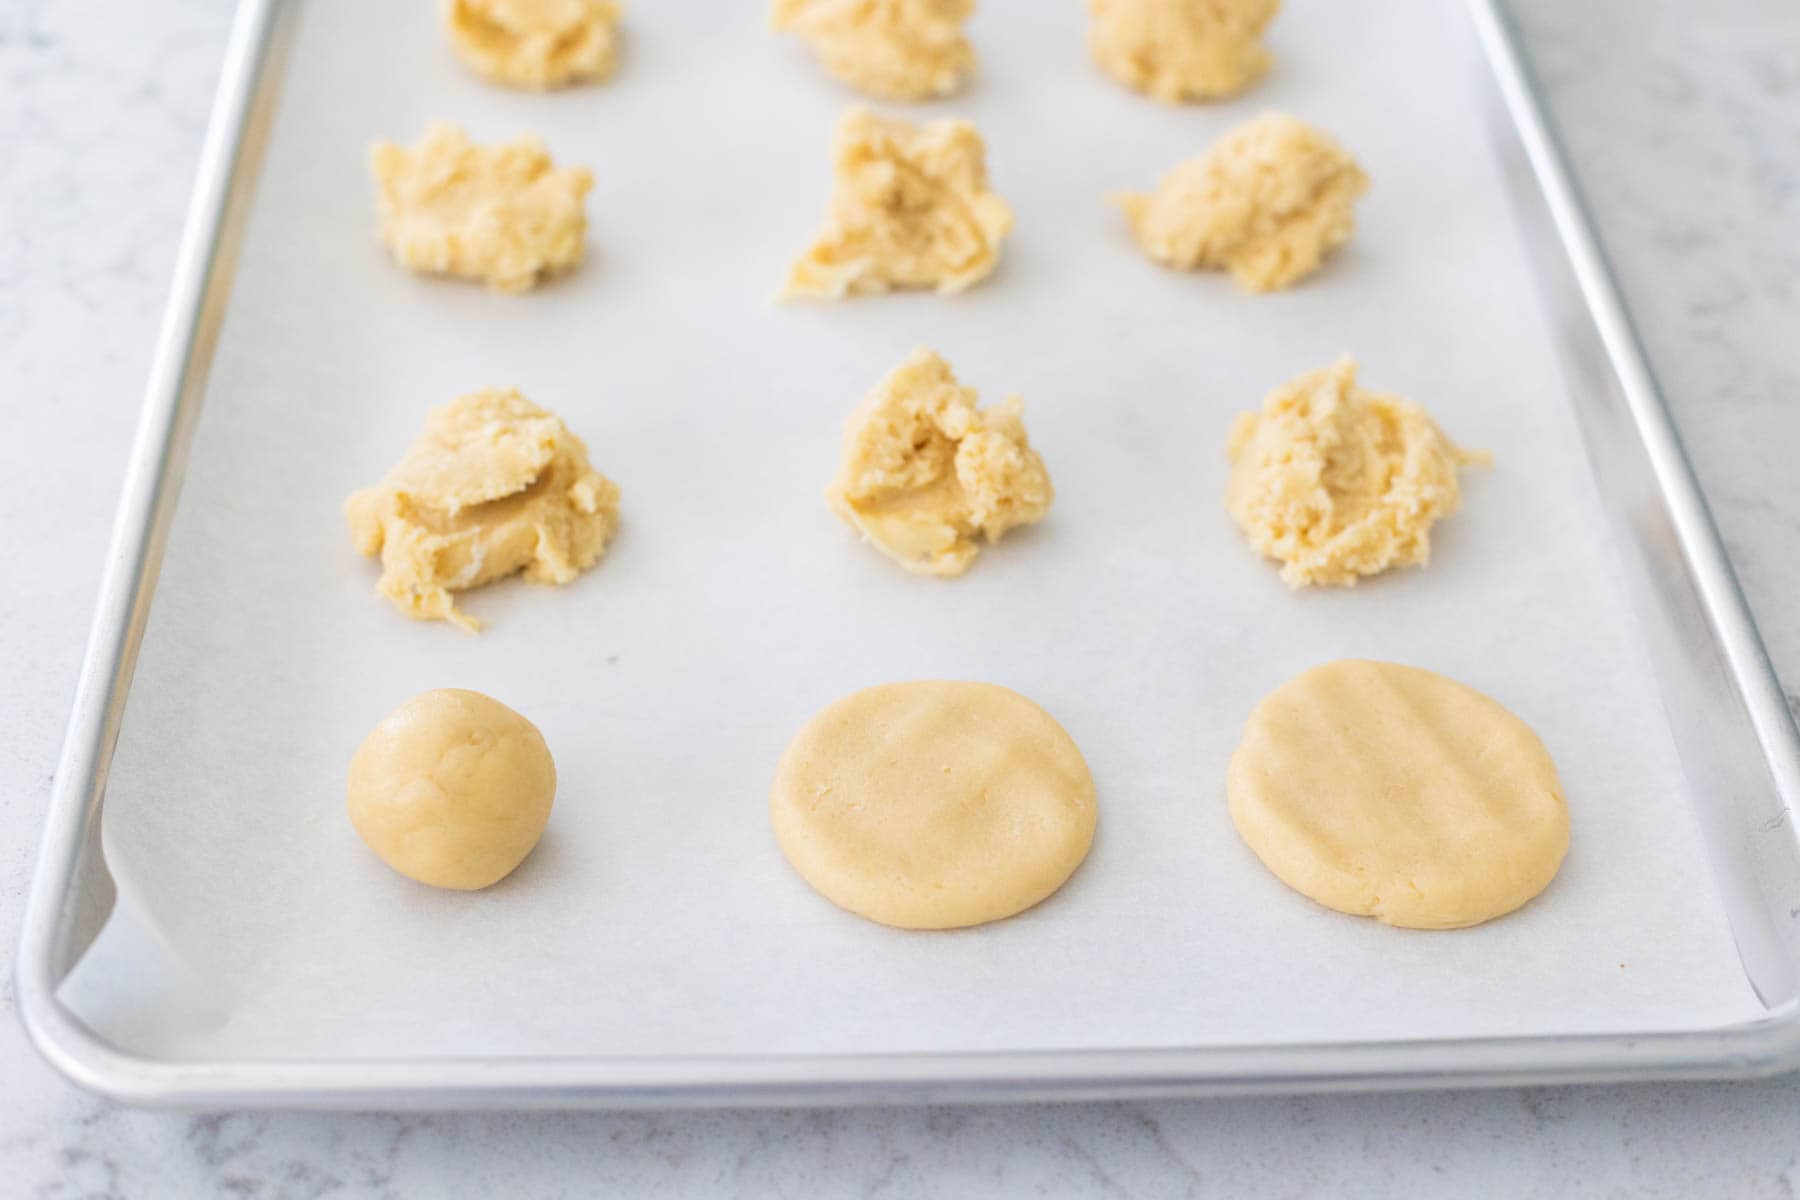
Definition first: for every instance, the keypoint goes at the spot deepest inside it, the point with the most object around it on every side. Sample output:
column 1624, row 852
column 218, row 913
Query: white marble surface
column 1684, row 118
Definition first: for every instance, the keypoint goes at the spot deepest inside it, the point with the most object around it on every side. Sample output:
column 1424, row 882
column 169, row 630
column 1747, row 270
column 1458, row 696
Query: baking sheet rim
column 53, row 936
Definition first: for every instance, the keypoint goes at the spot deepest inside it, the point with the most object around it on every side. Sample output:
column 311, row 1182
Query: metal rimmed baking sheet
column 656, row 949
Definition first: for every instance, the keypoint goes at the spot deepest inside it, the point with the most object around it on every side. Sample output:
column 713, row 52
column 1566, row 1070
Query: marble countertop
column 1684, row 120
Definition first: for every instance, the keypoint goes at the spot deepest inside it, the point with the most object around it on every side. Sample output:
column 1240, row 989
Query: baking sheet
column 657, row 916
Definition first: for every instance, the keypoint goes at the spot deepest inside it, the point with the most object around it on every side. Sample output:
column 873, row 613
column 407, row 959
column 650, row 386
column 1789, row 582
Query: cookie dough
column 505, row 215
column 495, row 485
column 910, row 208
column 1336, row 483
column 925, row 473
column 535, row 43
column 891, row 49
column 452, row 789
column 933, row 805
column 1175, row 50
column 1267, row 202
column 1391, row 792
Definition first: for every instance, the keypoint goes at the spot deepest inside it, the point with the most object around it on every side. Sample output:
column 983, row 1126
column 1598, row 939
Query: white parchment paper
column 657, row 915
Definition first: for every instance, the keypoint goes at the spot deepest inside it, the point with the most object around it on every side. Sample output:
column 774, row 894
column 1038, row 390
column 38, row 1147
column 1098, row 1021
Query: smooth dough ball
column 891, row 49
column 452, row 789
column 1175, row 50
column 910, row 208
column 535, row 43
column 1267, row 202
column 506, row 215
column 926, row 474
column 933, row 805
column 1336, row 483
column 1391, row 792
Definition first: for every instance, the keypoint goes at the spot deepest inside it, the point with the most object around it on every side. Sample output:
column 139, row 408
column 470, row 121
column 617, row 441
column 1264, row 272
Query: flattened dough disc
column 1391, row 792
column 933, row 805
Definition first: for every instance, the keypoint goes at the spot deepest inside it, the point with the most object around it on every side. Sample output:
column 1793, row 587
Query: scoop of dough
column 892, row 49
column 1336, row 483
column 452, row 789
column 1391, row 792
column 925, row 473
column 493, row 486
column 933, row 805
column 506, row 215
column 910, row 208
column 1177, row 50
column 1268, row 201
column 535, row 43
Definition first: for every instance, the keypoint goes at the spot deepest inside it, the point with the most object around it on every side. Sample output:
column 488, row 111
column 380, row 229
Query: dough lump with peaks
column 494, row 486
column 505, row 215
column 926, row 475
column 535, row 43
column 1176, row 50
column 889, row 49
column 1335, row 482
column 910, row 208
column 1267, row 202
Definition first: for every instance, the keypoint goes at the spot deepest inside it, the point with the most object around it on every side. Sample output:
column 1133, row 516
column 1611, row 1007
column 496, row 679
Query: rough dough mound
column 505, row 215
column 910, row 208
column 925, row 473
column 1175, row 50
column 1336, row 483
column 1268, row 201
column 891, row 49
column 933, row 805
column 1391, row 792
column 452, row 789
column 495, row 485
column 535, row 43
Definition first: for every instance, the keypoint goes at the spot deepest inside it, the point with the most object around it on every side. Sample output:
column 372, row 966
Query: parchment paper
column 657, row 916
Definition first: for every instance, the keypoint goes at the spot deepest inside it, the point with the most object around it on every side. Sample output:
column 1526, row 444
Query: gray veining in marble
column 1684, row 119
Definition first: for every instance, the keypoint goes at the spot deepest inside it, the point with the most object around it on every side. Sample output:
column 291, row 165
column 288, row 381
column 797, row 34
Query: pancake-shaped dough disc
column 1391, row 792
column 933, row 805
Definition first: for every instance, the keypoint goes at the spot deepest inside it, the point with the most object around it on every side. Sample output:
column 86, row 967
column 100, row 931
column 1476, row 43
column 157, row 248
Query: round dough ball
column 933, row 805
column 1388, row 791
column 452, row 789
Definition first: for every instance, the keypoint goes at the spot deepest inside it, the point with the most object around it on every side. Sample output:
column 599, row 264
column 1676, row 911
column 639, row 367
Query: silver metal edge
column 191, row 319
column 1757, row 1048
column 1709, row 570
column 1704, row 549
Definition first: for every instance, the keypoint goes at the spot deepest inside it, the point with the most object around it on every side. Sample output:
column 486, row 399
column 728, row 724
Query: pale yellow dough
column 535, row 43
column 452, row 789
column 495, row 485
column 933, row 805
column 891, row 49
column 1395, row 793
column 1175, row 50
column 1267, row 202
column 1336, row 483
column 925, row 473
column 506, row 215
column 910, row 208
